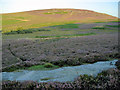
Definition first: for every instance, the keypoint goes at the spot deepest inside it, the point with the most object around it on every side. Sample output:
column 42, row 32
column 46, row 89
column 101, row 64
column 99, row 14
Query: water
column 62, row 74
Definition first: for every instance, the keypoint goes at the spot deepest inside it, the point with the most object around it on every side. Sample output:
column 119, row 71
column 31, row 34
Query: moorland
column 54, row 38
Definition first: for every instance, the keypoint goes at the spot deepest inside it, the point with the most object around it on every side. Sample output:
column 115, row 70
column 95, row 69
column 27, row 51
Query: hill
column 50, row 17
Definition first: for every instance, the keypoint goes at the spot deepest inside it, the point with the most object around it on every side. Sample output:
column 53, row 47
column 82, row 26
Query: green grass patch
column 20, row 17
column 67, row 26
column 46, row 66
column 84, row 34
column 100, row 22
column 52, row 24
column 115, row 26
column 12, row 21
column 115, row 21
column 99, row 27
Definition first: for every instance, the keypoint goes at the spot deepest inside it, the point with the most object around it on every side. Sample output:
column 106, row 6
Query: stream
column 62, row 74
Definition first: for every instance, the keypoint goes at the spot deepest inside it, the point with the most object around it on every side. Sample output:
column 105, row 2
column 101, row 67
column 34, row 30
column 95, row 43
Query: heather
column 21, row 31
column 27, row 53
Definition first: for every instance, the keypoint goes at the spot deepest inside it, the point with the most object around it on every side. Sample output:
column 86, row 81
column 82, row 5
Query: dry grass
column 37, row 19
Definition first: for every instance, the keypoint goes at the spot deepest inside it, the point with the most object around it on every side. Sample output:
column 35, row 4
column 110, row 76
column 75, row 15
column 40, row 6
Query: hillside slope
column 49, row 17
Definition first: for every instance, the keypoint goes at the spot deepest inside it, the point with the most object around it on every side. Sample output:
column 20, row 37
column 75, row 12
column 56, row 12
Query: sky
column 104, row 6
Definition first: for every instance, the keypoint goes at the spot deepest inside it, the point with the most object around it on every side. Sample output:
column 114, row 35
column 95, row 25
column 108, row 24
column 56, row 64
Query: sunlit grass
column 12, row 21
column 84, row 34
column 48, row 18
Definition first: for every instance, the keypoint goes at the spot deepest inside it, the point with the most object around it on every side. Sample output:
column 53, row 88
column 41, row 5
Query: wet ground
column 63, row 74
